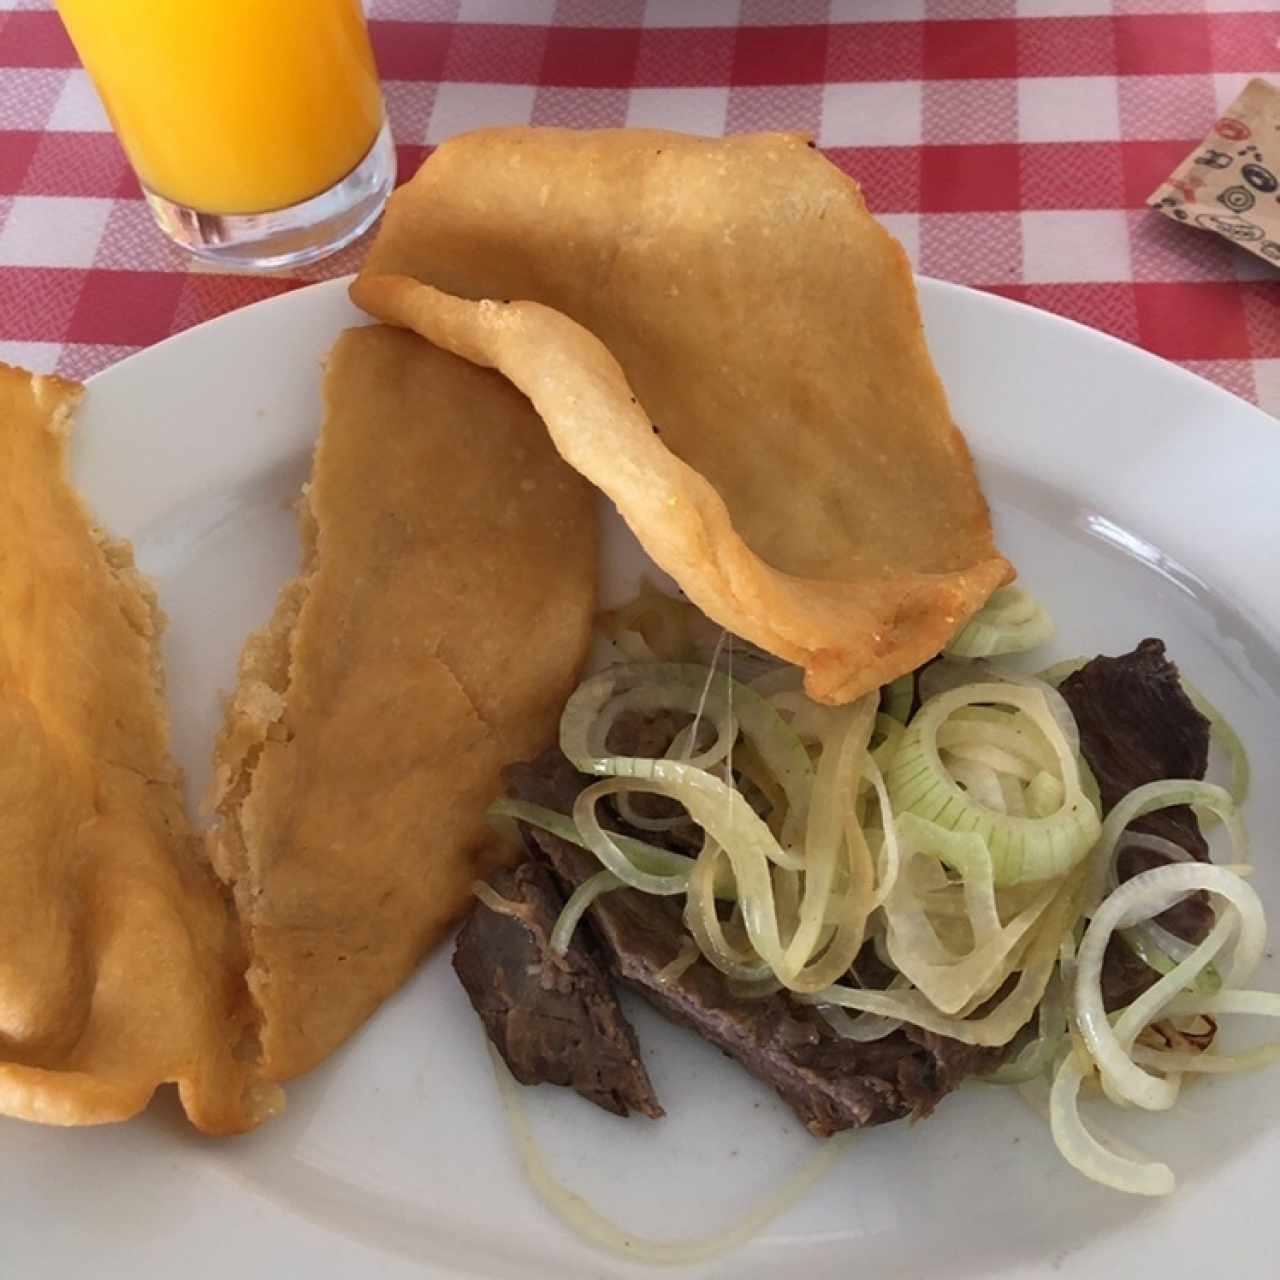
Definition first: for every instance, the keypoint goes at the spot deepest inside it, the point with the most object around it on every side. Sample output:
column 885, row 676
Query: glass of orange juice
column 256, row 127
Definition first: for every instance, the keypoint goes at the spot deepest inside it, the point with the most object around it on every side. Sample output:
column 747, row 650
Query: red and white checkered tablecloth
column 1010, row 144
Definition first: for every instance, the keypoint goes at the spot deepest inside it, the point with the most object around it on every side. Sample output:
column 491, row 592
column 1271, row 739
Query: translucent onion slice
column 1146, row 799
column 594, row 1227
column 1039, row 1054
column 1265, row 1004
column 1146, row 895
column 1022, row 848
column 685, row 699
column 1221, row 729
column 775, row 742
column 834, row 785
column 1176, row 1063
column 1084, row 1152
column 646, row 857
column 999, row 1025
column 607, row 845
column 704, row 925
column 866, row 1027
column 953, row 673
column 953, row 981
column 573, row 911
column 898, row 697
column 1012, row 621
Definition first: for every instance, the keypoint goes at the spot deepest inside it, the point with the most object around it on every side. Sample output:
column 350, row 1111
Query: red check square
column 1262, row 317
column 409, row 158
column 410, row 50
column 16, row 150
column 1148, row 164
column 875, row 51
column 1072, row 175
column 1100, row 305
column 1246, row 41
column 889, row 176
column 1163, row 44
column 497, row 54
column 205, row 296
column 126, row 308
column 977, row 49
column 39, row 302
column 77, row 164
column 685, row 58
column 590, row 57
column 1084, row 46
column 780, row 55
column 33, row 38
column 1193, row 320
column 969, row 179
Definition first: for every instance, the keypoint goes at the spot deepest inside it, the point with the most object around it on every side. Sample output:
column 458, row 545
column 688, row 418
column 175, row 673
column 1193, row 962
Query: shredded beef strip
column 554, row 1019
column 1137, row 725
column 830, row 1083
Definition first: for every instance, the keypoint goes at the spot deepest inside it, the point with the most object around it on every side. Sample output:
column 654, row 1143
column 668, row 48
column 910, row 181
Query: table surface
column 1009, row 144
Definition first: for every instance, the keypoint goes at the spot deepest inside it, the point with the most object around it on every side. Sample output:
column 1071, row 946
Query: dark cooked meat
column 555, row 1020
column 830, row 1083
column 1137, row 725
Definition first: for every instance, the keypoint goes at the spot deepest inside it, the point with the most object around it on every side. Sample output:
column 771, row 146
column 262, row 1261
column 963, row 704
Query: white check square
column 1075, row 245
column 701, row 111
column 692, row 13
column 1266, row 377
column 79, row 108
column 527, row 13
column 881, row 114
column 905, row 228
column 1062, row 8
column 1068, row 109
column 53, row 231
column 877, row 10
column 39, row 357
column 459, row 107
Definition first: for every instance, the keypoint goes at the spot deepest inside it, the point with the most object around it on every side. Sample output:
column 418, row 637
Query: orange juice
column 233, row 106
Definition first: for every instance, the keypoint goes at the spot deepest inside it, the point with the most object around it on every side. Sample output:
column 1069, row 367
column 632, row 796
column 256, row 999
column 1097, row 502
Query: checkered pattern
column 1010, row 144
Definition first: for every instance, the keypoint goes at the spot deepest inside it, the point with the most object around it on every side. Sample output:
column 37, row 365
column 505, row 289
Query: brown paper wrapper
column 1230, row 184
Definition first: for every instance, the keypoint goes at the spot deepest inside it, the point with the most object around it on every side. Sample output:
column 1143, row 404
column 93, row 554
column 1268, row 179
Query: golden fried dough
column 120, row 968
column 808, row 488
column 439, row 623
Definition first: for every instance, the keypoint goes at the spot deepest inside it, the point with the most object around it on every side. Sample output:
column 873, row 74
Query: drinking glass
column 256, row 127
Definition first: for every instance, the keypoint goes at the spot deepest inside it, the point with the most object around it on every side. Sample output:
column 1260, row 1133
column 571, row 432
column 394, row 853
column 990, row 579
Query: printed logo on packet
column 1229, row 183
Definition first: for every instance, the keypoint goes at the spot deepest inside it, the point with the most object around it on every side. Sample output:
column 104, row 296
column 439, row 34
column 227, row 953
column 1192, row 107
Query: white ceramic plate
column 1137, row 500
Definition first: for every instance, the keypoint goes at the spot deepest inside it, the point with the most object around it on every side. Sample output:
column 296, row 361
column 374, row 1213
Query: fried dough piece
column 439, row 622
column 808, row 488
column 120, row 968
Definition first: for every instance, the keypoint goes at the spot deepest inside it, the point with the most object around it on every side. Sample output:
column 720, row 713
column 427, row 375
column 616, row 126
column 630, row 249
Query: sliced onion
column 1265, row 1004
column 1212, row 1063
column 866, row 1027
column 775, row 742
column 1012, row 621
column 1057, row 673
column 1038, row 1056
column 647, row 857
column 1022, row 848
column 1221, row 729
column 999, row 1025
column 1084, row 1152
column 1145, row 895
column 607, row 847
column 898, row 697
column 953, row 673
column 573, row 911
column 1147, row 799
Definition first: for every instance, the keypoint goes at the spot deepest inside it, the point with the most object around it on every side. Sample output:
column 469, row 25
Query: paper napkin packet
column 1230, row 183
